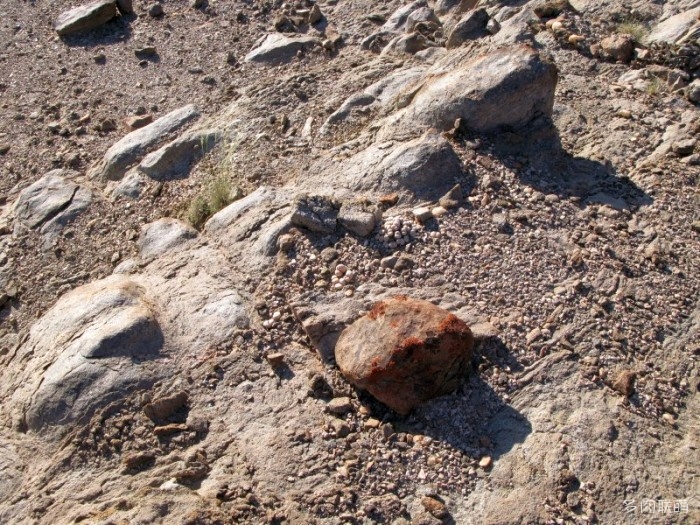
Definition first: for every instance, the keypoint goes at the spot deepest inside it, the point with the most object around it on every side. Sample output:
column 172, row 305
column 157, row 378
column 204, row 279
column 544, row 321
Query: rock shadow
column 536, row 154
column 475, row 419
column 116, row 30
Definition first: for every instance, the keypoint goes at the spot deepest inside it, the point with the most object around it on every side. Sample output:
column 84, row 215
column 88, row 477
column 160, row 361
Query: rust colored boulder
column 405, row 352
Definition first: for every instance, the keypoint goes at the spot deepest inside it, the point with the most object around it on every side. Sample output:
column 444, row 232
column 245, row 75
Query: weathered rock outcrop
column 51, row 202
column 136, row 144
column 404, row 352
column 277, row 49
column 90, row 349
column 503, row 89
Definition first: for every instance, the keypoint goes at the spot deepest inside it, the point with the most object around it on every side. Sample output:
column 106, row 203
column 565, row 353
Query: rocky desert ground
column 350, row 262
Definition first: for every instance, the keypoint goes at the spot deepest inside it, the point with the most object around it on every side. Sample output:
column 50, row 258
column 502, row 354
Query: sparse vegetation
column 216, row 196
column 637, row 29
column 655, row 86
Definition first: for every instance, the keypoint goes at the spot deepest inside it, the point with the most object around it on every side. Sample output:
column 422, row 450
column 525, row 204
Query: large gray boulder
column 51, row 202
column 278, row 49
column 122, row 155
column 86, row 17
column 90, row 349
column 507, row 88
column 674, row 28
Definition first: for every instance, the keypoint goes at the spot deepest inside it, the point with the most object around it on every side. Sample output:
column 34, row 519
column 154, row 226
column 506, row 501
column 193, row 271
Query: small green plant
column 636, row 29
column 216, row 196
column 655, row 86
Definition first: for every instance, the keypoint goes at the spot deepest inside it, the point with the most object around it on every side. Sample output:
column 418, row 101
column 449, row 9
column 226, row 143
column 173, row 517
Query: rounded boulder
column 405, row 351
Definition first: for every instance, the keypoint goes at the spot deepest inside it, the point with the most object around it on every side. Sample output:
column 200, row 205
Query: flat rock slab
column 278, row 48
column 405, row 352
column 86, row 17
column 122, row 155
column 51, row 202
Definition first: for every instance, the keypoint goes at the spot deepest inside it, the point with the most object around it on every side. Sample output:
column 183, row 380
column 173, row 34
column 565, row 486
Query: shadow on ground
column 536, row 154
column 116, row 30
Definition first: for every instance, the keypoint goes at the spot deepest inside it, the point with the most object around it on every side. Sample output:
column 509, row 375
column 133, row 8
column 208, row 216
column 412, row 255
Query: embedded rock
column 86, row 17
column 90, row 349
column 278, row 48
column 507, row 88
column 470, row 27
column 359, row 217
column 407, row 44
column 425, row 167
column 405, row 352
column 458, row 6
column 132, row 147
column 51, row 202
column 174, row 159
column 164, row 235
column 315, row 213
column 618, row 47
column 674, row 29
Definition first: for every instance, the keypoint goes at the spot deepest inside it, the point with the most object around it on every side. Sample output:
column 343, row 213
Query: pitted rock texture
column 405, row 352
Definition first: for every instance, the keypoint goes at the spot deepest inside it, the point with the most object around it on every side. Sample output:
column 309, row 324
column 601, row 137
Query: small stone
column 146, row 52
column 315, row 15
column 138, row 460
column 196, row 4
column 275, row 359
column 438, row 211
column 434, row 506
column 422, row 214
column 341, row 428
column 485, row 462
column 339, row 405
column 155, row 10
column 115, row 257
column 683, row 148
column 695, row 226
column 372, row 423
column 624, row 383
column 618, row 47
column 139, row 121
column 668, row 418
column 167, row 430
column 452, row 198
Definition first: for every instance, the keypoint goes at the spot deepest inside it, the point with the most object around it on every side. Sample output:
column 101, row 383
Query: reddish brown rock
column 404, row 352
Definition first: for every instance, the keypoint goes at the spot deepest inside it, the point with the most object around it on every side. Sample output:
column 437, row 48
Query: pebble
column 422, row 214
column 155, row 10
column 485, row 462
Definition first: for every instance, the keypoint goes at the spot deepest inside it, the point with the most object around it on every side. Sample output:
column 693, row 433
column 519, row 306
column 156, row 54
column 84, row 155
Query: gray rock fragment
column 174, row 159
column 278, row 49
column 359, row 217
column 51, row 202
column 85, row 18
column 133, row 146
column 315, row 213
column 470, row 27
